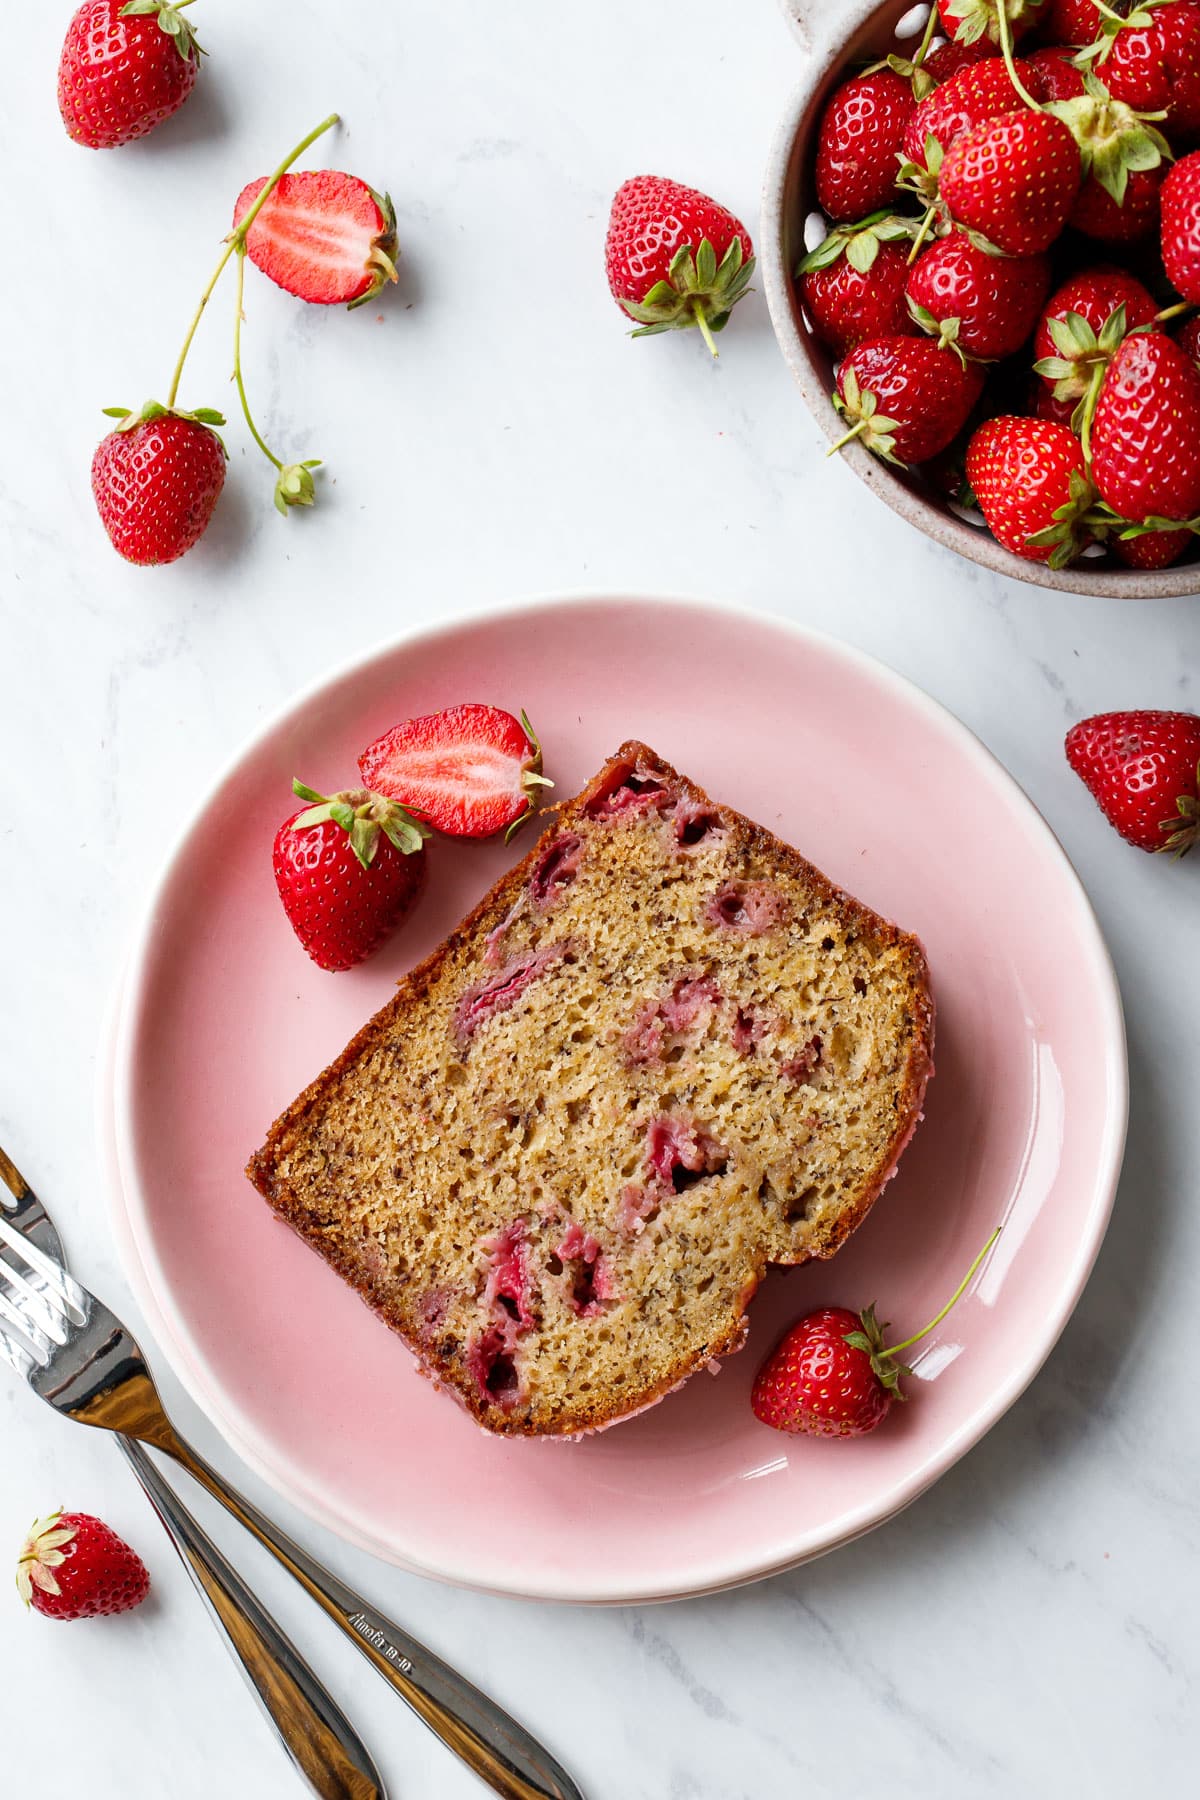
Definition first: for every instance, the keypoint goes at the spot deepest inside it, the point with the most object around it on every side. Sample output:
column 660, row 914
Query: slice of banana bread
column 662, row 1053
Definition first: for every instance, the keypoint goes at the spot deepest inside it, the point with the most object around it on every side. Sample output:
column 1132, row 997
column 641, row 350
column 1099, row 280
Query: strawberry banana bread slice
column 662, row 1053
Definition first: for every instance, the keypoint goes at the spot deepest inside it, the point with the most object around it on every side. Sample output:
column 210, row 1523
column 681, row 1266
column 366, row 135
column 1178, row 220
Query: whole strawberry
column 1051, row 74
column 324, row 236
column 1085, row 323
column 975, row 93
column 1143, row 770
column 1013, row 180
column 471, row 770
column 156, row 480
column 987, row 305
column 1145, row 435
column 126, row 65
column 1180, row 200
column 949, row 58
column 1030, row 480
column 1155, row 66
column 348, row 868
column 970, row 21
column 675, row 258
column 831, row 1375
column 860, row 133
column 852, row 285
column 72, row 1566
column 1122, row 159
column 905, row 397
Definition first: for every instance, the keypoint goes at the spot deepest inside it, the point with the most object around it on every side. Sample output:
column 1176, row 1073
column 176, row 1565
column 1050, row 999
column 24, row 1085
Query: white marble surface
column 1029, row 1628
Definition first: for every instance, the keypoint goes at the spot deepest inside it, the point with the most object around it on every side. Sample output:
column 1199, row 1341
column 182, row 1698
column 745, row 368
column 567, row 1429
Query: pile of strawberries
column 1011, row 266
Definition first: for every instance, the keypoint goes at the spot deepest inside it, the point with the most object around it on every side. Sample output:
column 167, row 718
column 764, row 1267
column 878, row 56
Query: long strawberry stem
column 1174, row 312
column 702, row 322
column 1006, row 51
column 237, row 240
column 255, row 433
column 956, row 1296
column 922, row 234
column 931, row 25
column 848, row 437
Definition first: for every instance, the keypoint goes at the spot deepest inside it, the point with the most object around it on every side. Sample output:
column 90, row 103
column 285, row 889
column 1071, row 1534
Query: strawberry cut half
column 326, row 237
column 470, row 771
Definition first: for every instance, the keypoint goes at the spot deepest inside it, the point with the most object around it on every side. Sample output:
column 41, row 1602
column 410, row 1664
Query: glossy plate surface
column 224, row 1020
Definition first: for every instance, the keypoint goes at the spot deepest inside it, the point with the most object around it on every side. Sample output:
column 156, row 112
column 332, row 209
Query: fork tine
column 28, row 1330
column 15, row 1354
column 44, row 1309
column 67, row 1294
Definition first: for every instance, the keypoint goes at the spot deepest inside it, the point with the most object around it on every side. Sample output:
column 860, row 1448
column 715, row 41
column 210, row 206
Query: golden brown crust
column 292, row 1129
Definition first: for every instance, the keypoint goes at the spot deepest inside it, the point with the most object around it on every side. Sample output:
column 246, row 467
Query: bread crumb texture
column 662, row 1053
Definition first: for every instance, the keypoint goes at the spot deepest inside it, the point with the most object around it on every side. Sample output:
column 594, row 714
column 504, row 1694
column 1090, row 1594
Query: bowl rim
column 825, row 48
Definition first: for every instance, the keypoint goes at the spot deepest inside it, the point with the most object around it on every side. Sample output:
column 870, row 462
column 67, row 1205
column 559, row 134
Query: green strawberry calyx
column 1184, row 829
column 363, row 816
column 698, row 291
column 154, row 409
column 1083, row 355
column 859, row 244
column 1074, row 525
column 42, row 1553
column 295, row 486
column 1114, row 141
column 170, row 19
column 383, row 252
column 875, row 429
column 944, row 330
column 1111, row 23
column 869, row 1340
column 979, row 18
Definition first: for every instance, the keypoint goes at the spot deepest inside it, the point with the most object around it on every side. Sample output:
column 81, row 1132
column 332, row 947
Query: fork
column 79, row 1358
column 322, row 1743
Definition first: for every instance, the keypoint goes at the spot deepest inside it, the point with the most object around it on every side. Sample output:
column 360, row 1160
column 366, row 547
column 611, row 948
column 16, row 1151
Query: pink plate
column 224, row 1020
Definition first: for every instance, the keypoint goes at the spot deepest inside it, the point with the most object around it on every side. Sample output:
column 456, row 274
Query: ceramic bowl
column 836, row 37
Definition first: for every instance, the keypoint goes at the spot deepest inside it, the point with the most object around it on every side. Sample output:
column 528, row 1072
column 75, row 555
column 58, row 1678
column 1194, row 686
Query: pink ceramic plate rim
column 135, row 1239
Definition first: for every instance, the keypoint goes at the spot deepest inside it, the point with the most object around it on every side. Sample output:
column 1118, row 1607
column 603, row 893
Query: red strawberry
column 1181, row 226
column 1013, row 179
column 1156, row 67
column 326, row 237
column 905, row 397
column 1145, row 436
column 1099, row 216
column 1121, row 157
column 1050, row 74
column 675, row 258
column 1143, row 770
column 860, row 134
column 950, row 57
column 852, row 285
column 348, row 868
column 987, row 305
column 1188, row 337
column 1045, row 405
column 976, row 93
column 74, row 1567
column 1030, row 480
column 126, row 65
column 156, row 480
column 1094, row 294
column 1071, row 22
column 471, row 771
column 969, row 21
column 1151, row 549
column 831, row 1376
column 1085, row 322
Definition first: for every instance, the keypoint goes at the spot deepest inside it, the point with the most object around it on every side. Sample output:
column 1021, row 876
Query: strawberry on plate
column 1013, row 180
column 852, row 285
column 348, row 868
column 1030, row 480
column 470, row 771
column 831, row 1375
column 324, row 236
column 860, row 133
column 907, row 398
column 675, row 259
column 156, row 480
column 987, row 305
column 126, row 65
column 1143, row 770
column 73, row 1566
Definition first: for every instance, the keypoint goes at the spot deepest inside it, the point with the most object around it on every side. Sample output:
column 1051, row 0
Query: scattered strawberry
column 326, row 237
column 978, row 92
column 126, row 65
column 1145, row 435
column 74, row 1567
column 852, row 284
column 970, row 21
column 858, row 139
column 1013, row 180
column 675, row 258
column 1155, row 66
column 831, row 1376
column 905, row 397
column 1143, row 770
column 156, row 480
column 348, row 868
column 1181, row 226
column 1031, row 483
column 471, row 770
column 987, row 305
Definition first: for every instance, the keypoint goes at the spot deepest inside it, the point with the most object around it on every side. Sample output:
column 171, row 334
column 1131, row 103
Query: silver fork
column 323, row 1745
column 78, row 1357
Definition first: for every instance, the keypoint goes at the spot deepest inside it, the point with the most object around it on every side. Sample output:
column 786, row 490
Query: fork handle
column 502, row 1753
column 316, row 1734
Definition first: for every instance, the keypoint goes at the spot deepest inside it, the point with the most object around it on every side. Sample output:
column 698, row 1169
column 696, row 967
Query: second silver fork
column 80, row 1359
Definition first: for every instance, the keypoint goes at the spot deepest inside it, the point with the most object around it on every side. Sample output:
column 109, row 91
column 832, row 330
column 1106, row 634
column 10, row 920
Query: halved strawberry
column 326, row 237
column 470, row 771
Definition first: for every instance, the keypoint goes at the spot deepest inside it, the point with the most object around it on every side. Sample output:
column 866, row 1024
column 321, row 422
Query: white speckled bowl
column 835, row 34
